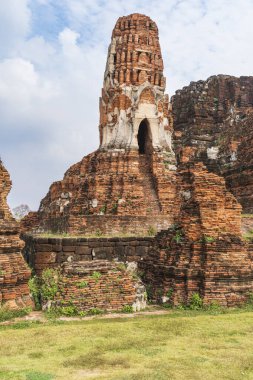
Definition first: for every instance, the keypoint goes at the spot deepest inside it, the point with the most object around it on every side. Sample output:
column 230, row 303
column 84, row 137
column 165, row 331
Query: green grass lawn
column 179, row 345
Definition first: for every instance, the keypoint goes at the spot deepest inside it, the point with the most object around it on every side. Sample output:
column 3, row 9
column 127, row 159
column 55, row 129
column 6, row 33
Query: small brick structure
column 101, row 285
column 14, row 272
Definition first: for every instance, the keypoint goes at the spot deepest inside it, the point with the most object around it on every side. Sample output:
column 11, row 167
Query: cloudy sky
column 52, row 59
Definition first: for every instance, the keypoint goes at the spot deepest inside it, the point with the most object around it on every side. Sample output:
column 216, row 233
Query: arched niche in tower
column 144, row 138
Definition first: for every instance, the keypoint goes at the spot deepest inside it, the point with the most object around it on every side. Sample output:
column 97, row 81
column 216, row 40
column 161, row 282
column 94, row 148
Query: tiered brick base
column 110, row 192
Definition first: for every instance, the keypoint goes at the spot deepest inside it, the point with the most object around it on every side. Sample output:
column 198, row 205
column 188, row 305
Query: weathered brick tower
column 134, row 112
column 128, row 184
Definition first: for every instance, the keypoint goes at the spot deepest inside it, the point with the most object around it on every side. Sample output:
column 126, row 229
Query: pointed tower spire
column 134, row 111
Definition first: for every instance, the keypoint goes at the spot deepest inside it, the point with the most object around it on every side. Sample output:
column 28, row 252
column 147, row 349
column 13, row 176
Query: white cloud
column 50, row 81
column 15, row 24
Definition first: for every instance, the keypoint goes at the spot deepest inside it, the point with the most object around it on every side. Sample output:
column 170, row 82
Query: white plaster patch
column 186, row 195
column 94, row 203
column 212, row 153
column 233, row 156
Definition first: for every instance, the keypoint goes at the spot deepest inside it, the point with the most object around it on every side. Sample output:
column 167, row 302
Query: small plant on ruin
column 177, row 237
column 151, row 231
column 82, row 284
column 208, row 239
column 150, row 292
column 103, row 209
column 114, row 208
column 169, row 293
column 127, row 309
column 214, row 307
column 98, row 233
column 2, row 272
column 34, row 287
column 68, row 311
column 196, row 302
column 49, row 284
column 248, row 235
column 95, row 311
column 96, row 275
column 44, row 288
column 122, row 267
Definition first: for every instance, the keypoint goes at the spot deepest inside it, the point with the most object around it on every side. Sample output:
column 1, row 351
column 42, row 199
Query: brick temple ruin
column 128, row 184
column 135, row 184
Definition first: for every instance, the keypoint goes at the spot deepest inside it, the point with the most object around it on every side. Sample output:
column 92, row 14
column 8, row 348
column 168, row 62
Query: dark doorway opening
column 144, row 140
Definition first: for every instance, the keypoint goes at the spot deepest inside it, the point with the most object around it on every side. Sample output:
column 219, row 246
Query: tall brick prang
column 128, row 185
column 133, row 91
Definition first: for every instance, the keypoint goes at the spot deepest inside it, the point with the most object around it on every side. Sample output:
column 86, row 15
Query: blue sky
column 52, row 59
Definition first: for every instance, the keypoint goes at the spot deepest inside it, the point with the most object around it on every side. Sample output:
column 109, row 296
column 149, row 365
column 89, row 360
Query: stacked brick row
column 214, row 118
column 42, row 253
column 14, row 272
column 204, row 253
column 96, row 285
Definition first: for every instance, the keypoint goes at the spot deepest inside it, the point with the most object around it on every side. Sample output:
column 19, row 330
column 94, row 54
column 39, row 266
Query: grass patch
column 8, row 314
column 248, row 235
column 39, row 376
column 182, row 344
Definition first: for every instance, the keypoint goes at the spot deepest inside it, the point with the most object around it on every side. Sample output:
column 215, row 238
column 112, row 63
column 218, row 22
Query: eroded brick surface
column 214, row 118
column 14, row 272
column 204, row 253
column 100, row 285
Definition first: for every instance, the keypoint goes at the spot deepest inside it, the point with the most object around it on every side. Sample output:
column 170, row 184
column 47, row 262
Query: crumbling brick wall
column 101, row 285
column 214, row 118
column 14, row 272
column 204, row 253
